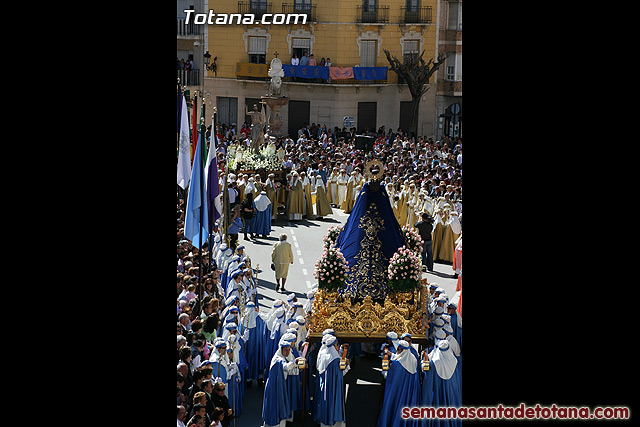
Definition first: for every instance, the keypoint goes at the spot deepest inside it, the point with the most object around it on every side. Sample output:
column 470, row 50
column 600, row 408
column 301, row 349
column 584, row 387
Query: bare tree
column 416, row 73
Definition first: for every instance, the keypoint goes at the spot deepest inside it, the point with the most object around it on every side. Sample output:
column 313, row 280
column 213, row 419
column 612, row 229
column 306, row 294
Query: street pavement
column 363, row 381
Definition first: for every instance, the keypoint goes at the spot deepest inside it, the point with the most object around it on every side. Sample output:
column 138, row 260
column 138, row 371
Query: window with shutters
column 257, row 50
column 454, row 67
column 368, row 53
column 299, row 46
column 454, row 21
column 410, row 48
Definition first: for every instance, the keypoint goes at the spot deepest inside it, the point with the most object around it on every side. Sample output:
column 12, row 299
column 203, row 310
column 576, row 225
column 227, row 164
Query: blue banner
column 317, row 72
column 306, row 71
column 370, row 73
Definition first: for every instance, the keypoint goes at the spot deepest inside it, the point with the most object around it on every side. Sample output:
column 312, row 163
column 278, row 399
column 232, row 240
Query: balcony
column 308, row 9
column 258, row 8
column 449, row 87
column 372, row 14
column 416, row 15
column 259, row 72
column 190, row 29
column 189, row 77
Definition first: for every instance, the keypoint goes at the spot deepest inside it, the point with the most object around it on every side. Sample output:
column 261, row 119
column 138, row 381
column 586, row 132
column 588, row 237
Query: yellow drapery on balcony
column 245, row 69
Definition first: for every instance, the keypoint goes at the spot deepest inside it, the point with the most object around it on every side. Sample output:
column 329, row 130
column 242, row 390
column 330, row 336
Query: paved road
column 363, row 382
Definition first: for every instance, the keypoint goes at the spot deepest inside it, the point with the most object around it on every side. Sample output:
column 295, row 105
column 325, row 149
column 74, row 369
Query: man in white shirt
column 182, row 412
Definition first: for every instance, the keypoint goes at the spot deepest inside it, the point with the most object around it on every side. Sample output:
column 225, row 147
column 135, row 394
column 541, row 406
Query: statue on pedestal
column 276, row 73
column 258, row 120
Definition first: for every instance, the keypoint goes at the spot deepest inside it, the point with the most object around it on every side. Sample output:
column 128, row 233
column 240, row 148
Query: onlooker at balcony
column 322, row 62
column 305, row 59
column 295, row 60
column 312, row 60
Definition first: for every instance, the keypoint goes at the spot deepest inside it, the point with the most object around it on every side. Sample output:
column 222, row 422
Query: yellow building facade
column 349, row 32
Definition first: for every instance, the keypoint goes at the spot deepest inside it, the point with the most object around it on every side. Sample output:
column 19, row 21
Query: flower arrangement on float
column 245, row 159
column 412, row 239
column 404, row 271
column 330, row 239
column 331, row 269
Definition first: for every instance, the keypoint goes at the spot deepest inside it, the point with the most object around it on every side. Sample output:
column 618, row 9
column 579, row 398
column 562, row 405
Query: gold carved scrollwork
column 367, row 319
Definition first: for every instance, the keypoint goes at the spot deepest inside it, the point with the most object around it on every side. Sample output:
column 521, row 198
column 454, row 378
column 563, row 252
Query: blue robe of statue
column 368, row 240
column 254, row 349
column 262, row 221
column 275, row 406
column 401, row 389
column 438, row 392
column 330, row 396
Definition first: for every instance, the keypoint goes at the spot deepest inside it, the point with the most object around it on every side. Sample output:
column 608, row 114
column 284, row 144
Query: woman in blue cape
column 254, row 346
column 262, row 221
column 329, row 400
column 273, row 332
column 235, row 384
column 276, row 409
column 440, row 384
column 222, row 367
column 402, row 388
column 294, row 381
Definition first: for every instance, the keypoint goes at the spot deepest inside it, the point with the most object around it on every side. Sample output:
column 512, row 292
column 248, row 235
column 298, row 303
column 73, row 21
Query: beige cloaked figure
column 296, row 199
column 342, row 188
column 282, row 257
column 347, row 203
column 270, row 188
column 308, row 205
column 323, row 208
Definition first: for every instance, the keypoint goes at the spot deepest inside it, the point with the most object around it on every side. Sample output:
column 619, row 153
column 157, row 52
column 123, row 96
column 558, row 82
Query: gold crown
column 373, row 170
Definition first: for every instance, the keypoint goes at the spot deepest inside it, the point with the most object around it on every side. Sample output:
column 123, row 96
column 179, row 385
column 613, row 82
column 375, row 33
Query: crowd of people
column 224, row 343
column 324, row 170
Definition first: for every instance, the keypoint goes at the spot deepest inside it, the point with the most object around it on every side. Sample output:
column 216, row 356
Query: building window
column 454, row 68
column 410, row 48
column 257, row 50
column 451, row 72
column 455, row 16
column 368, row 53
column 299, row 46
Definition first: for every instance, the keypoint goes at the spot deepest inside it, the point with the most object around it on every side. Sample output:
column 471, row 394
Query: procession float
column 369, row 275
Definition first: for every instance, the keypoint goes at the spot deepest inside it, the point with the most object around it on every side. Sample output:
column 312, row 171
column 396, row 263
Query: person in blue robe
column 274, row 332
column 392, row 343
column 234, row 383
column 313, row 375
column 234, row 281
column 456, row 322
column 254, row 345
column 407, row 337
column 276, row 409
column 294, row 380
column 223, row 261
column 266, row 333
column 329, row 400
column 220, row 364
column 402, row 388
column 262, row 221
column 236, row 344
column 229, row 314
column 441, row 385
